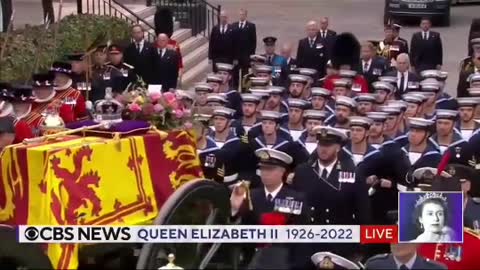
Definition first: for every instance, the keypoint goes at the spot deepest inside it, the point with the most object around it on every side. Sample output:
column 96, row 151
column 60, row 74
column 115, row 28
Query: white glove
column 89, row 105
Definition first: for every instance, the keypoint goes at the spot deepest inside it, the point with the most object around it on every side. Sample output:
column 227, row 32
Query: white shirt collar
column 141, row 42
column 329, row 167
column 273, row 193
column 369, row 62
column 409, row 264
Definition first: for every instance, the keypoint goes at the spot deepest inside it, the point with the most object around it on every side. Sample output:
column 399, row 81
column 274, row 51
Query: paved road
column 286, row 19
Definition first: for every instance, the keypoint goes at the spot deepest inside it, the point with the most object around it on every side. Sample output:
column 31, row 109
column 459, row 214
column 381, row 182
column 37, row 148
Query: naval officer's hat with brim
column 474, row 91
column 271, row 157
column 328, row 260
column 298, row 78
column 276, row 90
column 347, row 73
column 270, row 115
column 219, row 98
column 213, row 78
column 260, row 92
column 263, row 69
column 259, row 82
column 223, row 112
column 297, row 103
column 360, row 121
column 258, row 58
column 346, row 101
column 185, row 94
column 383, row 85
column 314, row 115
column 430, row 74
column 446, row 114
column 391, row 110
column 224, row 67
column 398, row 103
column 310, row 72
column 389, row 79
column 429, row 86
column 422, row 95
column 413, row 98
column 330, row 135
column 467, row 102
column 251, row 98
column 379, row 117
column 475, row 77
column 365, row 97
column 420, row 123
column 342, row 82
column 320, row 92
column 203, row 87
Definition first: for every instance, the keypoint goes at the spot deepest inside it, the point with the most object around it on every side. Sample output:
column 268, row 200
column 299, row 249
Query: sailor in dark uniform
column 297, row 85
column 466, row 124
column 296, row 107
column 344, row 108
column 233, row 96
column 342, row 87
column 255, row 60
column 321, row 99
column 227, row 141
column 335, row 194
column 202, row 90
column 403, row 257
column 403, row 127
column 358, row 147
column 446, row 137
column 276, row 102
column 384, row 92
column 419, row 152
column 260, row 82
column 365, row 103
column 263, row 94
column 392, row 124
column 414, row 104
column 311, row 74
column 431, row 89
column 216, row 100
column 249, row 111
column 312, row 118
column 207, row 149
column 445, row 101
column 215, row 82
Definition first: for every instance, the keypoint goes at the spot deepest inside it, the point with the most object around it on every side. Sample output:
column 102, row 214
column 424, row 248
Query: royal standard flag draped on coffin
column 91, row 181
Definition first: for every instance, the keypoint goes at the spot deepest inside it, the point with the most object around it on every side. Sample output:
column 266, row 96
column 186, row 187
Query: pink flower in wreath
column 154, row 97
column 187, row 113
column 148, row 109
column 158, row 108
column 179, row 113
column 188, row 125
column 134, row 107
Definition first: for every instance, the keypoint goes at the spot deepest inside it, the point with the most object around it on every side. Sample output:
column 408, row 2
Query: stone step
column 196, row 74
column 195, row 57
column 181, row 35
column 191, row 44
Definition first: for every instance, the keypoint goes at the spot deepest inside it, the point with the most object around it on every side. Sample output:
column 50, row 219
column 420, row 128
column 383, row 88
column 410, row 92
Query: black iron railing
column 199, row 15
column 114, row 9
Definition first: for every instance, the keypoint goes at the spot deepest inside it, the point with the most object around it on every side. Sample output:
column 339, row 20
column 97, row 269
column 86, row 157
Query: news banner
column 208, row 234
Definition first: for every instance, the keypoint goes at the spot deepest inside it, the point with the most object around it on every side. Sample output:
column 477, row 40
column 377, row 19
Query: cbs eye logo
column 31, row 233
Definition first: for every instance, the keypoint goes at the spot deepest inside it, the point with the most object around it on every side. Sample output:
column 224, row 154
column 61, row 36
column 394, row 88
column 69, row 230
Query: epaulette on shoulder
column 128, row 65
column 378, row 257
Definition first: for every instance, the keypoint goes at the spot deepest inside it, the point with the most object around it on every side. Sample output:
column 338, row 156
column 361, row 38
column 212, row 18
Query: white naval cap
column 430, row 73
column 345, row 101
column 320, row 92
column 391, row 110
column 474, row 91
column 383, row 85
column 201, row 117
column 184, row 94
column 446, row 114
column 342, row 82
column 310, row 72
column 442, row 75
column 423, row 95
column 276, row 90
column 420, row 123
column 429, row 85
column 328, row 260
column 360, row 121
column 327, row 134
column 224, row 67
column 314, row 114
column 260, row 92
column 398, row 103
column 420, row 173
column 258, row 58
column 475, row 41
column 365, row 97
column 220, row 98
column 251, row 98
column 263, row 69
column 298, row 78
column 273, row 157
column 389, row 79
column 259, row 81
column 414, row 98
column 224, row 112
column 297, row 103
column 474, row 77
column 270, row 115
column 377, row 116
column 214, row 78
column 467, row 102
column 347, row 73
column 203, row 87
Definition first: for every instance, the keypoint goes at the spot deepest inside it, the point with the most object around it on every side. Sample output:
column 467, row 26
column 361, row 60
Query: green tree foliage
column 36, row 46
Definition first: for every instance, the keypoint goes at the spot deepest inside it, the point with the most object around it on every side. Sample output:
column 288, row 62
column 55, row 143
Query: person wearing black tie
column 220, row 49
column 405, row 78
column 139, row 54
column 311, row 51
column 372, row 66
column 286, row 52
column 245, row 40
column 327, row 36
column 426, row 48
column 165, row 65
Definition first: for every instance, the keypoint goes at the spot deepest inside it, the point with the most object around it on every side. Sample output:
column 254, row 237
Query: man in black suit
column 327, row 36
column 140, row 54
column 371, row 66
column 405, row 78
column 165, row 65
column 312, row 53
column 426, row 48
column 245, row 40
column 220, row 49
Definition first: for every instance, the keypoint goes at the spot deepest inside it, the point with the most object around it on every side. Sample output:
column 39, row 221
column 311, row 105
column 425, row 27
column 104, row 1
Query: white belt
column 230, row 178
